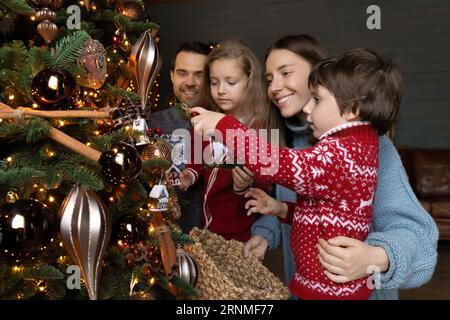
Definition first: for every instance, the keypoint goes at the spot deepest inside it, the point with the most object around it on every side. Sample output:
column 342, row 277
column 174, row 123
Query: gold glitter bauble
column 157, row 150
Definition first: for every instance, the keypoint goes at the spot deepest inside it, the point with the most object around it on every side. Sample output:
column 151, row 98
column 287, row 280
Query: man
column 187, row 72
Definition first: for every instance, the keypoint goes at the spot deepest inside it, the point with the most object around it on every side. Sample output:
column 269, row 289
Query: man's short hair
column 194, row 47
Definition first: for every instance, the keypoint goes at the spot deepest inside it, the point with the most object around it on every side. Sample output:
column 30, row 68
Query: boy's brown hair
column 362, row 82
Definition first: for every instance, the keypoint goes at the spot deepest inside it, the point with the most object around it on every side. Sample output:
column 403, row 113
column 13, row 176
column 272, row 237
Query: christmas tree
column 84, row 187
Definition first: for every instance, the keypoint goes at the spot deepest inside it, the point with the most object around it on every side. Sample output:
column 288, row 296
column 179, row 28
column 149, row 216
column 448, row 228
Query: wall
column 416, row 33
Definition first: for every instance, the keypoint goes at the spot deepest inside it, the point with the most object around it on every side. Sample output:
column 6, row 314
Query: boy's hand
column 186, row 180
column 256, row 246
column 205, row 120
column 264, row 204
column 242, row 178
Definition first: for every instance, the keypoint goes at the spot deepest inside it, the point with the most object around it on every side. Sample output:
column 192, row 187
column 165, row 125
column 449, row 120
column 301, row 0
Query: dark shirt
column 168, row 120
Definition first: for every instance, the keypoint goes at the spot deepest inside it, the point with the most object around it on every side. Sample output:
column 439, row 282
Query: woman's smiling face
column 287, row 77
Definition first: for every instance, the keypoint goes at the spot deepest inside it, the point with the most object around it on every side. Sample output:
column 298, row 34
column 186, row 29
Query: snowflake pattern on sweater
column 335, row 181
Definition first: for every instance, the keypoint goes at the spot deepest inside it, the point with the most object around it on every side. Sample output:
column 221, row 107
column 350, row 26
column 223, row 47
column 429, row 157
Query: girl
column 403, row 238
column 237, row 89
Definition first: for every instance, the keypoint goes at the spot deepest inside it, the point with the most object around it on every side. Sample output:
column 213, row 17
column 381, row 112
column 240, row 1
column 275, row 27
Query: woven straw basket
column 226, row 275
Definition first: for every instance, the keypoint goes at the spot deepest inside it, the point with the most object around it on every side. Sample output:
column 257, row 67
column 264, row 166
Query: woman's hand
column 345, row 259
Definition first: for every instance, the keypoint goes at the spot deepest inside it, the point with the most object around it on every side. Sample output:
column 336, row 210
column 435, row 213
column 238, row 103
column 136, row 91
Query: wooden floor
column 437, row 289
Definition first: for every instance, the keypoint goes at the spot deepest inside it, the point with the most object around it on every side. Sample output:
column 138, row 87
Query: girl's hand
column 205, row 120
column 256, row 246
column 242, row 179
column 186, row 180
column 346, row 259
column 264, row 204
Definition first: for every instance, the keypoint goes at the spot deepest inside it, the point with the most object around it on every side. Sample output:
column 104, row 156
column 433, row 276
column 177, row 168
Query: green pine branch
column 8, row 279
column 11, row 131
column 181, row 238
column 23, row 290
column 38, row 129
column 113, row 17
column 103, row 143
column 19, row 6
column 56, row 289
column 20, row 178
column 183, row 286
column 85, row 176
column 46, row 272
column 39, row 58
column 69, row 48
column 115, row 92
column 133, row 198
column 13, row 56
column 156, row 163
column 133, row 26
column 31, row 130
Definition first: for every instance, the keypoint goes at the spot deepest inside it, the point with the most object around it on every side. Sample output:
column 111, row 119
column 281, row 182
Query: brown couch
column 429, row 175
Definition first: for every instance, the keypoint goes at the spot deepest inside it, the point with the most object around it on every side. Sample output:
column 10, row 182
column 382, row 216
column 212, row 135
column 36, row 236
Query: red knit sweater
column 226, row 208
column 335, row 181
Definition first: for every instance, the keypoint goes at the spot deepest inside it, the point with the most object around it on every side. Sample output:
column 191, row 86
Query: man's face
column 188, row 77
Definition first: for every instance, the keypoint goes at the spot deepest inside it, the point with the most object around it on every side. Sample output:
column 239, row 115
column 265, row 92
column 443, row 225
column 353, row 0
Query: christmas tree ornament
column 173, row 175
column 93, row 60
column 126, row 44
column 160, row 193
column 158, row 131
column 155, row 262
column 11, row 197
column 132, row 10
column 54, row 88
column 45, row 14
column 85, row 230
column 128, row 230
column 120, row 164
column 157, row 149
column 150, row 253
column 140, row 125
column 117, row 38
column 47, row 30
column 144, row 64
column 104, row 125
column 147, row 269
column 188, row 269
column 177, row 157
column 25, row 228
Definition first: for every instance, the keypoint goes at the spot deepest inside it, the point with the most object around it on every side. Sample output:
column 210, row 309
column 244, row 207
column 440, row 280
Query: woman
column 403, row 239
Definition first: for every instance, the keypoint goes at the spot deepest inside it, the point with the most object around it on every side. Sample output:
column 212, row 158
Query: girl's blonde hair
column 258, row 113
